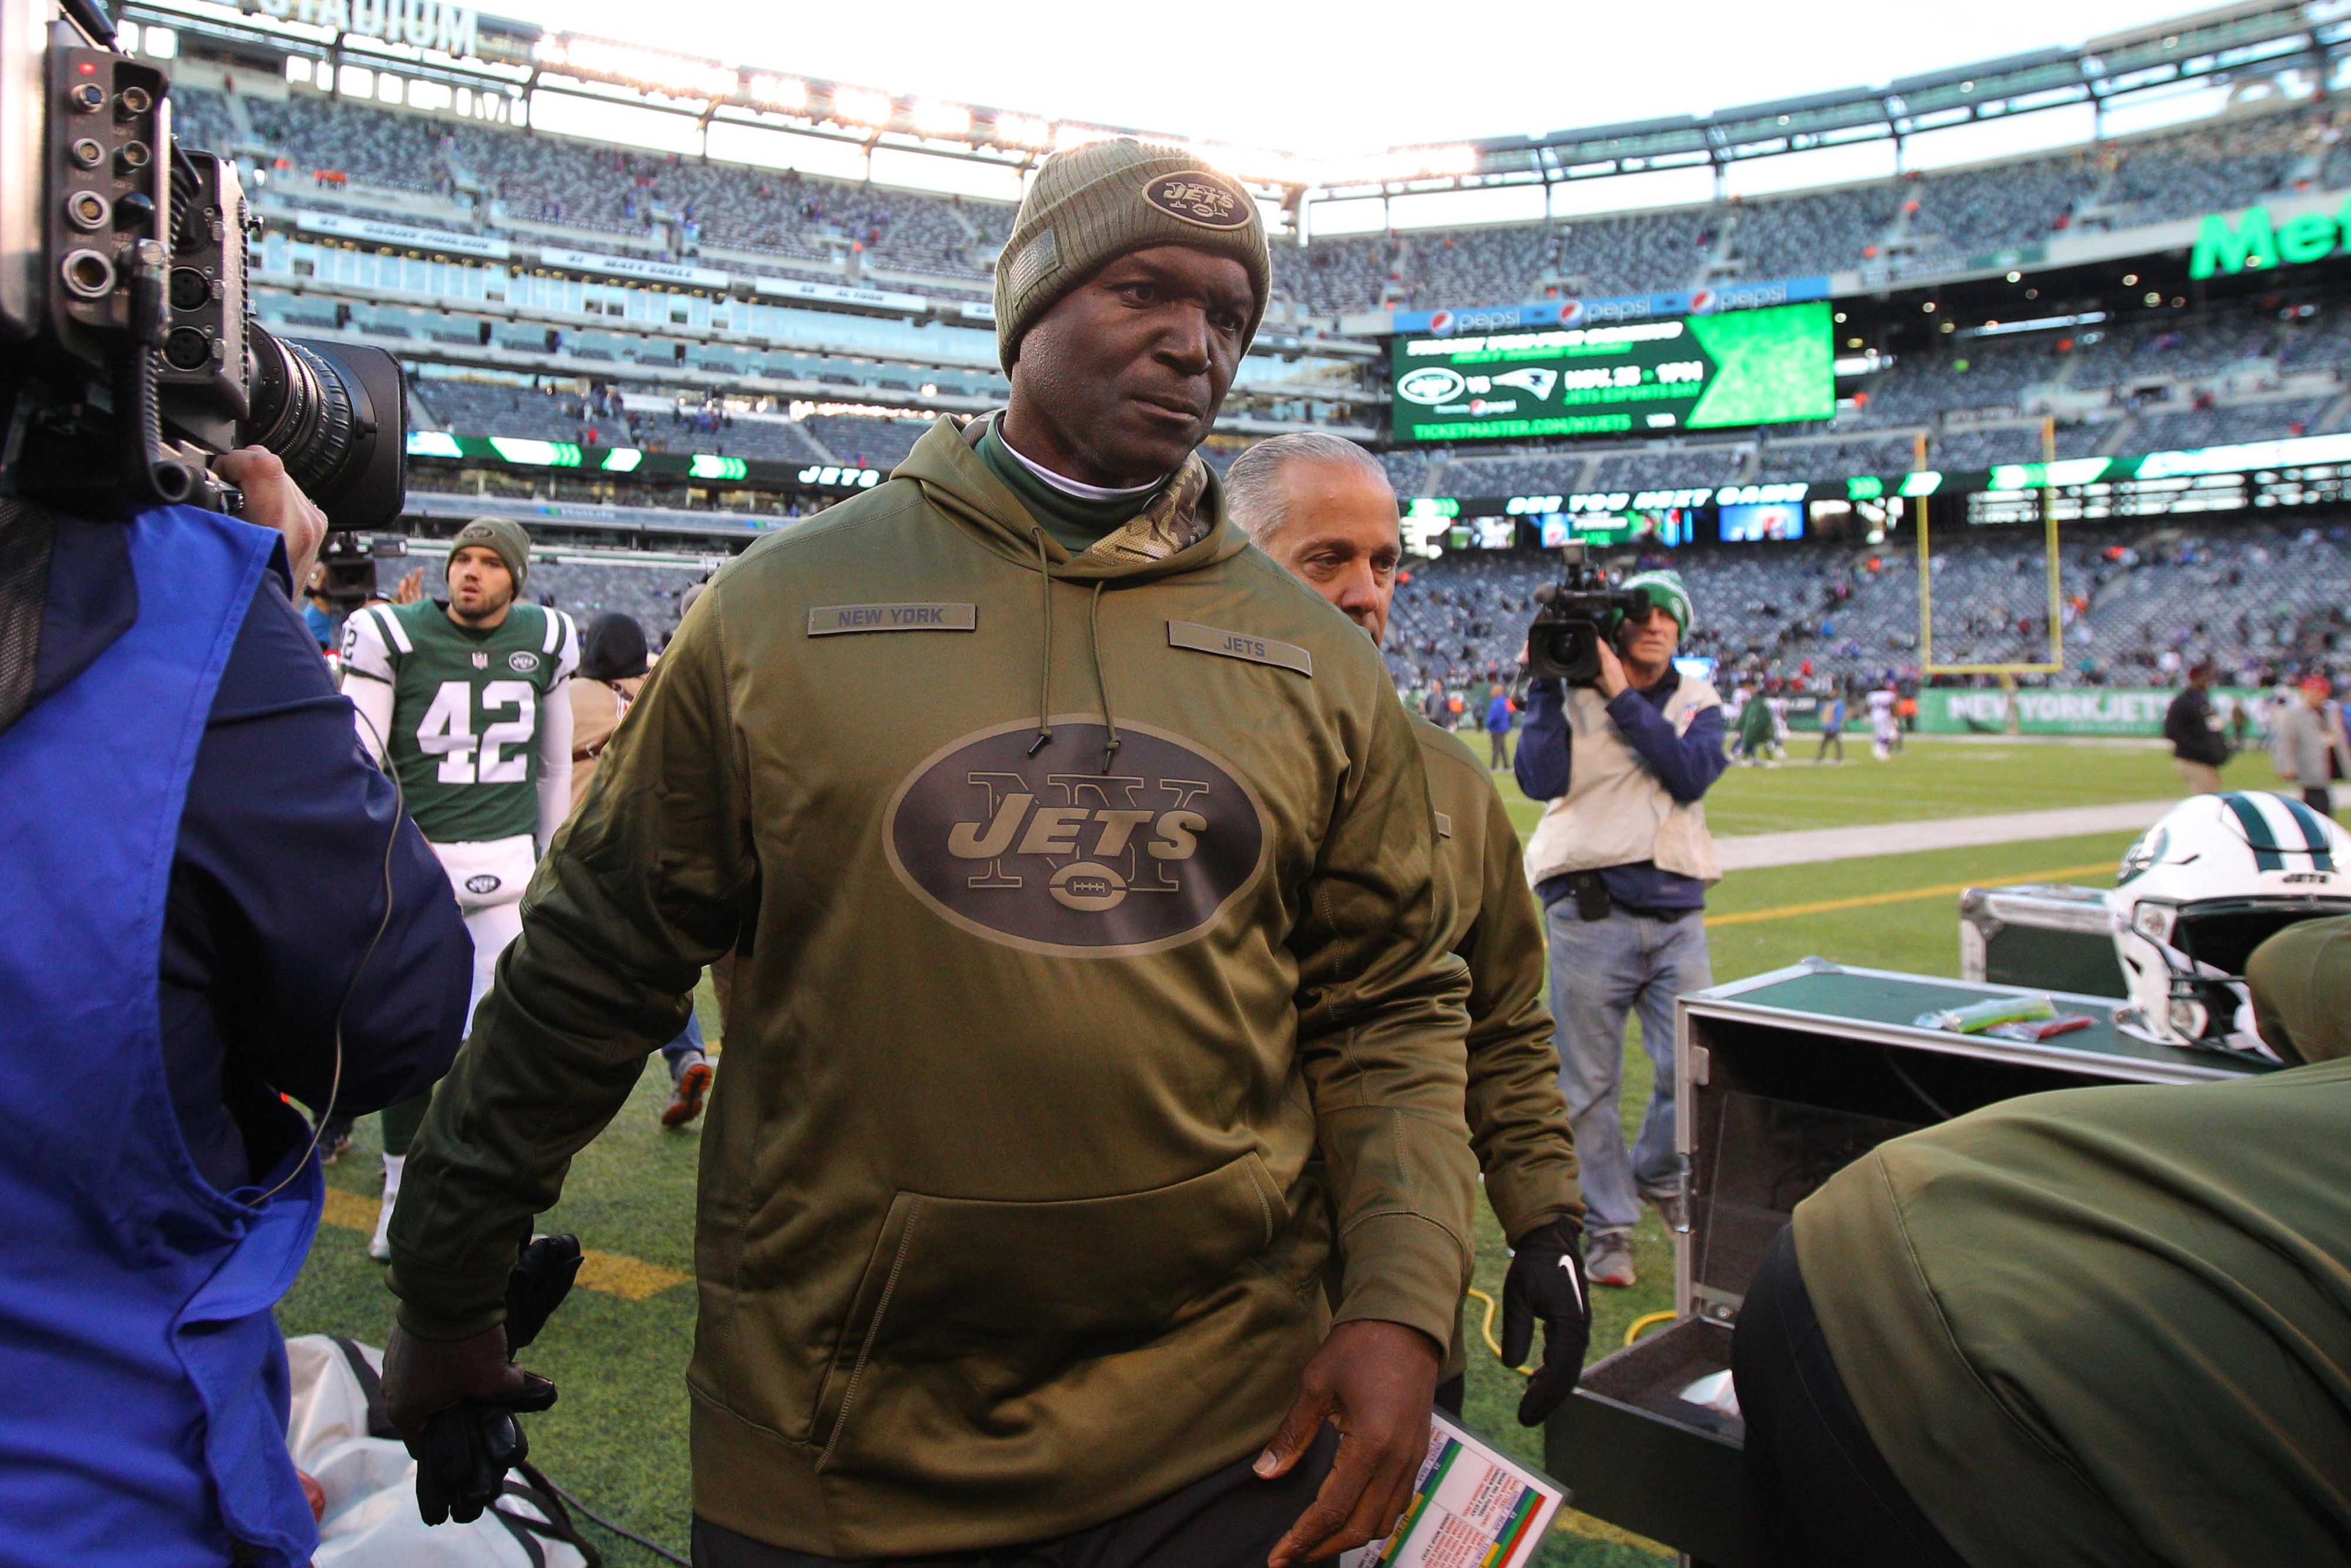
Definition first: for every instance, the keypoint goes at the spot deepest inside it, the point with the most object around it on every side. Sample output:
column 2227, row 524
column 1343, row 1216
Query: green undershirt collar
column 1073, row 522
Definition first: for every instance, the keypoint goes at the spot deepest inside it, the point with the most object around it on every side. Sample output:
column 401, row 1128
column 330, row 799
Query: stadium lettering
column 2255, row 239
column 424, row 24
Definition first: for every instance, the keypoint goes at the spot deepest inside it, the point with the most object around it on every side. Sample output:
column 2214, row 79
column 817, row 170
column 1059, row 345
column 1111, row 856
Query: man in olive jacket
column 1322, row 508
column 1052, row 994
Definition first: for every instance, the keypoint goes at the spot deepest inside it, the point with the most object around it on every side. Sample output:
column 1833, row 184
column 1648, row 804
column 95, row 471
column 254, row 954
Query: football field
column 618, row 1439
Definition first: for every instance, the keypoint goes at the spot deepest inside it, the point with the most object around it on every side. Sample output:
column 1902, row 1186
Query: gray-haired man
column 1322, row 508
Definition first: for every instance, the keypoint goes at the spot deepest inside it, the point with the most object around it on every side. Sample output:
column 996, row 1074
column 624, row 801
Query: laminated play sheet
column 1472, row 1507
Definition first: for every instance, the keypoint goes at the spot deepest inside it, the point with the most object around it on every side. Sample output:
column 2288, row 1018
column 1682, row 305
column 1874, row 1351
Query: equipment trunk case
column 1783, row 1079
column 2040, row 934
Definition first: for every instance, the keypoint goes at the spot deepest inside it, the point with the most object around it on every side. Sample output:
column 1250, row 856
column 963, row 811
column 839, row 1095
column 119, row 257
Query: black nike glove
column 1546, row 1282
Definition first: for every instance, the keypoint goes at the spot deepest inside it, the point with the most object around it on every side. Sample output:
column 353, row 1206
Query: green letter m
column 2220, row 247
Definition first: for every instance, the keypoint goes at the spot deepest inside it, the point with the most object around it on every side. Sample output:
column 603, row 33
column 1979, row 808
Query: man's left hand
column 1546, row 1282
column 1376, row 1382
column 273, row 500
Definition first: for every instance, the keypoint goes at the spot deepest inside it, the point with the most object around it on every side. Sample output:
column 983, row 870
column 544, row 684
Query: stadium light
column 638, row 67
column 1024, row 131
column 942, row 120
column 862, row 106
column 1068, row 136
column 787, row 93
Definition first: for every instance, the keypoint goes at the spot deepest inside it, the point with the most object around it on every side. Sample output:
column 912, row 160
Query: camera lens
column 186, row 348
column 190, row 288
column 337, row 418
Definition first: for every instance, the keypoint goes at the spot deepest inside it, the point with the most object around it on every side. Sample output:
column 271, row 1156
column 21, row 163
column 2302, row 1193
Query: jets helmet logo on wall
column 1198, row 197
column 1055, row 853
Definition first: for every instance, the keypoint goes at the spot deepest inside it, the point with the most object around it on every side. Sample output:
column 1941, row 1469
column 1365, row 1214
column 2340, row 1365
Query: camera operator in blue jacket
column 1621, row 861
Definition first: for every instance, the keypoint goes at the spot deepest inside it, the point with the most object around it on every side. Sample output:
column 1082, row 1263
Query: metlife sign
column 2226, row 244
column 1601, row 312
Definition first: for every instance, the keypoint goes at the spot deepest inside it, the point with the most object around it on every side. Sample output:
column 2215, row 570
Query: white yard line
column 1756, row 851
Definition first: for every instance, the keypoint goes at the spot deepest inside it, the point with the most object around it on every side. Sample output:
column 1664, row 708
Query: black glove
column 471, row 1438
column 1546, row 1282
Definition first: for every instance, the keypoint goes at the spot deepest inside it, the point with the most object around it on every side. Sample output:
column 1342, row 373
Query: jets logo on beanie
column 1094, row 204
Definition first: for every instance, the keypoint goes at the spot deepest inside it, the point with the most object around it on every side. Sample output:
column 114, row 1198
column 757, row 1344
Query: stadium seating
column 2260, row 597
column 1939, row 216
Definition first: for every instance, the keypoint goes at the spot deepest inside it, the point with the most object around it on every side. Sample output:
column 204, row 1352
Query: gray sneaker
column 1608, row 1258
column 1672, row 1203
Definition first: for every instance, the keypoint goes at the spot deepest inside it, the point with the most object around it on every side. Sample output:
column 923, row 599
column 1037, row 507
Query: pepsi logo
column 1702, row 302
column 1056, row 854
column 1571, row 311
column 1441, row 323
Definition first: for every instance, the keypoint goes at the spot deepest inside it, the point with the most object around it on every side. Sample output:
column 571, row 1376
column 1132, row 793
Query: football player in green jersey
column 464, row 703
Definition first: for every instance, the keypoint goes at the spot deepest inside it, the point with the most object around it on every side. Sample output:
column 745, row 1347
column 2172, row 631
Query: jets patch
column 1046, row 849
column 482, row 882
column 1201, row 197
column 522, row 663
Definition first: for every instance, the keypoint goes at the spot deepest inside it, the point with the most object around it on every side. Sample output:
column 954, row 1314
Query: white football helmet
column 2199, row 892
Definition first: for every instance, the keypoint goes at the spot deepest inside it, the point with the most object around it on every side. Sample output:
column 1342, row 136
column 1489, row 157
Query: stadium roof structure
column 2262, row 34
column 446, row 40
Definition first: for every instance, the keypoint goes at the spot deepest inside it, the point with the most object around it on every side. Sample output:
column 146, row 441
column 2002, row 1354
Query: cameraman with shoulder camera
column 178, row 782
column 1621, row 861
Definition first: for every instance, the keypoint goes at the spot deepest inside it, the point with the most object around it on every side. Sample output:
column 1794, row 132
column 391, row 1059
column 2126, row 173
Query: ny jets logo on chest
column 1056, row 852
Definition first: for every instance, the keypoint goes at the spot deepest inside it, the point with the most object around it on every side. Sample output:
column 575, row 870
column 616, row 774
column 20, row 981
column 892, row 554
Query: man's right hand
column 1376, row 1382
column 459, row 1469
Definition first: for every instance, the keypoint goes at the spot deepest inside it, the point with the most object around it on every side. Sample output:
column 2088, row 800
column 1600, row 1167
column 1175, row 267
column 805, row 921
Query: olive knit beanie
column 1096, row 203
column 503, row 535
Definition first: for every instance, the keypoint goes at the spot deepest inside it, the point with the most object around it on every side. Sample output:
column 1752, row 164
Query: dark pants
column 2319, row 799
column 1226, row 1520
column 1499, row 747
column 1818, row 1492
column 1831, row 737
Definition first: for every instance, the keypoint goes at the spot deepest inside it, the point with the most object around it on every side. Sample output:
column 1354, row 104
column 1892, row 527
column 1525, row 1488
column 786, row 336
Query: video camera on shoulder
column 1572, row 616
column 129, row 349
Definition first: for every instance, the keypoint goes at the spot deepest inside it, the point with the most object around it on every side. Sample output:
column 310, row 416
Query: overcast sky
column 1325, row 78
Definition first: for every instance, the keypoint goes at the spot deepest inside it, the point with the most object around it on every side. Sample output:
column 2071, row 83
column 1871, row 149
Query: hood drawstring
column 1102, row 676
column 1045, row 675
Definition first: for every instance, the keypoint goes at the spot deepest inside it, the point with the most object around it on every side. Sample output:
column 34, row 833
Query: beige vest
column 1615, row 811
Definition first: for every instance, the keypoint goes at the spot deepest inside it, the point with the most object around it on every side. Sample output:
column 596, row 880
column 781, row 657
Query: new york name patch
column 1240, row 645
column 831, row 620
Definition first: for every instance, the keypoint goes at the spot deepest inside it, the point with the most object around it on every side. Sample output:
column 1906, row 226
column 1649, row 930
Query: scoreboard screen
column 1639, row 378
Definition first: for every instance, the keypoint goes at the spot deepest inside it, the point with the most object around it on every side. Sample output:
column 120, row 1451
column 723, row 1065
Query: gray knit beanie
column 1096, row 203
column 503, row 535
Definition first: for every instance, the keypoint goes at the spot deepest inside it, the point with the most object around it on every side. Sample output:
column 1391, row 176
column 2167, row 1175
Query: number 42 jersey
column 467, row 710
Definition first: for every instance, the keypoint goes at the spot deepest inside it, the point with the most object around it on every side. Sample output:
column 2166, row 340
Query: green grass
column 618, row 1439
column 1931, row 776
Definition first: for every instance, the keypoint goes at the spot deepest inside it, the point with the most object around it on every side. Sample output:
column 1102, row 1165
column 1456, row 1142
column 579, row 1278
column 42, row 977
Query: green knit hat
column 1096, row 203
column 1667, row 593
column 503, row 535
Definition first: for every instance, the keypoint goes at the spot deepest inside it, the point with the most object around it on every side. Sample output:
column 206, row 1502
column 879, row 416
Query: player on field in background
column 465, row 704
column 1885, row 730
column 1832, row 726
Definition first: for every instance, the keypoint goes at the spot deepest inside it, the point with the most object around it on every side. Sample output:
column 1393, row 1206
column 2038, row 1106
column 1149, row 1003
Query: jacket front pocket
column 968, row 1305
